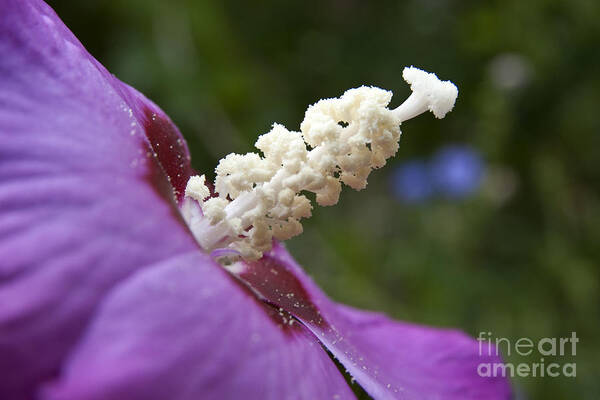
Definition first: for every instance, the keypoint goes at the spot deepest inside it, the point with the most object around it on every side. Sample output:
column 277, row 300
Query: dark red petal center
column 170, row 150
column 279, row 286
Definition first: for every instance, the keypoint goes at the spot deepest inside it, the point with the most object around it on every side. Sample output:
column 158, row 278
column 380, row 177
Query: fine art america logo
column 545, row 347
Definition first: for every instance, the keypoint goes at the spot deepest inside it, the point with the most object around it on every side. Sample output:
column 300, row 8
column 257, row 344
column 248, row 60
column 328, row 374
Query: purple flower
column 456, row 170
column 411, row 183
column 105, row 294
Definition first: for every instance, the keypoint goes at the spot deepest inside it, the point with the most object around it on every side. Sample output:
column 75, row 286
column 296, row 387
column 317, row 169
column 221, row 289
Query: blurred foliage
column 520, row 258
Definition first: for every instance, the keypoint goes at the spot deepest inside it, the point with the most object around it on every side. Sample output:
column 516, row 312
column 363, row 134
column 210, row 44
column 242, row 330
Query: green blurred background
column 518, row 257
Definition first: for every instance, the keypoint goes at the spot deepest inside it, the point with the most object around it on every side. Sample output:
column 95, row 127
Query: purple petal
column 185, row 329
column 388, row 359
column 83, row 202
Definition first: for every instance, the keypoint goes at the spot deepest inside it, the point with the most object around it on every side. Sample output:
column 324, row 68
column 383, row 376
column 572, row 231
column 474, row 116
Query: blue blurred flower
column 456, row 171
column 411, row 182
